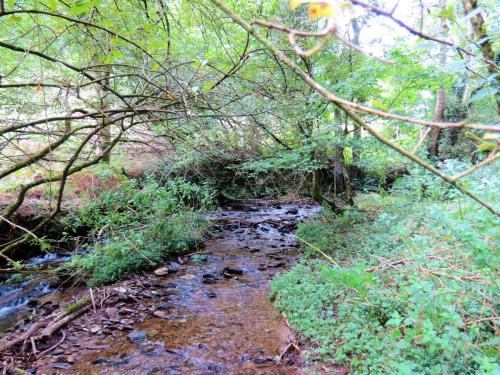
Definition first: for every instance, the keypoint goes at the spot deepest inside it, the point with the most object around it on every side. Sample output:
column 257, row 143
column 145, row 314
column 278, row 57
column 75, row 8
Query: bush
column 138, row 228
column 129, row 252
column 414, row 291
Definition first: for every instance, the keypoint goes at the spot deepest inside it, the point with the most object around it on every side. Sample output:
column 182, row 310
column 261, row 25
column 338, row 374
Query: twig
column 318, row 250
column 292, row 344
column 23, row 337
column 421, row 140
column 19, row 227
column 389, row 264
column 55, row 345
column 50, row 330
column 33, row 345
column 490, row 159
column 92, row 299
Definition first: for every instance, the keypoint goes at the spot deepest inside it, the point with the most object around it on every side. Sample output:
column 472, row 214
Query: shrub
column 139, row 227
column 414, row 292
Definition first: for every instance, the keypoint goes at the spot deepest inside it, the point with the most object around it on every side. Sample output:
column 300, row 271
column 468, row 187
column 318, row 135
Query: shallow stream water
column 211, row 316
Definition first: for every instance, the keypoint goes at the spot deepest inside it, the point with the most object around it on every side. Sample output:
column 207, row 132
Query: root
column 55, row 326
column 55, row 345
column 59, row 321
column 23, row 337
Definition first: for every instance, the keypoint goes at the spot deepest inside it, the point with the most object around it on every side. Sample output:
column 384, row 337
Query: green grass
column 432, row 312
column 138, row 227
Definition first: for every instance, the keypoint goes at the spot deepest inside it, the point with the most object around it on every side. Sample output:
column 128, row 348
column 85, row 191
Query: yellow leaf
column 294, row 4
column 320, row 9
column 345, row 5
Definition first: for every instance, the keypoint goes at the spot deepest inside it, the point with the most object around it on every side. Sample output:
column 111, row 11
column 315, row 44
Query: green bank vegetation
column 122, row 121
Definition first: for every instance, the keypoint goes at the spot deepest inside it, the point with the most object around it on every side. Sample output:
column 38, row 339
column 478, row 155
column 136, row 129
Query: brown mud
column 204, row 314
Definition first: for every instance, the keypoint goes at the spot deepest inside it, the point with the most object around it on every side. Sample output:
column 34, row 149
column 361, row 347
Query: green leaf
column 396, row 334
column 208, row 85
column 117, row 54
column 81, row 7
column 483, row 93
column 14, row 19
column 52, row 4
column 157, row 43
column 377, row 104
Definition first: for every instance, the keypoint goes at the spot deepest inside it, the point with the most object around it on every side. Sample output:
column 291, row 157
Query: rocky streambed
column 207, row 313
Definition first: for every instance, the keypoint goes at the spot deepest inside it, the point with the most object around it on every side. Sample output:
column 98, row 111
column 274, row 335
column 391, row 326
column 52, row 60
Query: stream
column 205, row 314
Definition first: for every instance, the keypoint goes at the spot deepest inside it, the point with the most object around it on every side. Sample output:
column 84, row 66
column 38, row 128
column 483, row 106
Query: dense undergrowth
column 410, row 287
column 138, row 226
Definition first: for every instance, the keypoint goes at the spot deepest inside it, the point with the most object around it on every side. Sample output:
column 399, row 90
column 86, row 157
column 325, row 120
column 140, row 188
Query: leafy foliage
column 137, row 228
column 416, row 295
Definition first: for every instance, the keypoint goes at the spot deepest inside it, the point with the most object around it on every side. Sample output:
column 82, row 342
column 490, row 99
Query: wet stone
column 162, row 271
column 61, row 366
column 164, row 305
column 174, row 267
column 260, row 359
column 160, row 314
column 208, row 278
column 211, row 294
column 232, row 271
column 137, row 336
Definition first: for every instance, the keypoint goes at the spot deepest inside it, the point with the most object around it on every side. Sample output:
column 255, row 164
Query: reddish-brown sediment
column 212, row 316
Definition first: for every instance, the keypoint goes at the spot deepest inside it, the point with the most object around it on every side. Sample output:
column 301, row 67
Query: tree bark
column 483, row 40
column 105, row 134
column 438, row 116
column 433, row 149
column 338, row 168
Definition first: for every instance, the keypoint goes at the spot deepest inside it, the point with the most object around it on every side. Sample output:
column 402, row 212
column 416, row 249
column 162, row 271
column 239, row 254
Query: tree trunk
column 481, row 37
column 433, row 149
column 438, row 117
column 105, row 134
column 338, row 168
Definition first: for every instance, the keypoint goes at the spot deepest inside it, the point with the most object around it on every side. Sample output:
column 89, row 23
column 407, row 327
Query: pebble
column 208, row 278
column 160, row 314
column 162, row 271
column 174, row 267
column 62, row 366
column 137, row 336
column 211, row 294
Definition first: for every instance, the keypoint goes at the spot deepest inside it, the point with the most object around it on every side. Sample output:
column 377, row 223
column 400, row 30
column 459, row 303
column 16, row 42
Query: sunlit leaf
column 14, row 19
column 52, row 4
column 377, row 104
column 321, row 9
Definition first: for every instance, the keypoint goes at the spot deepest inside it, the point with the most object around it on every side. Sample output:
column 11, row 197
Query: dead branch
column 25, row 336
